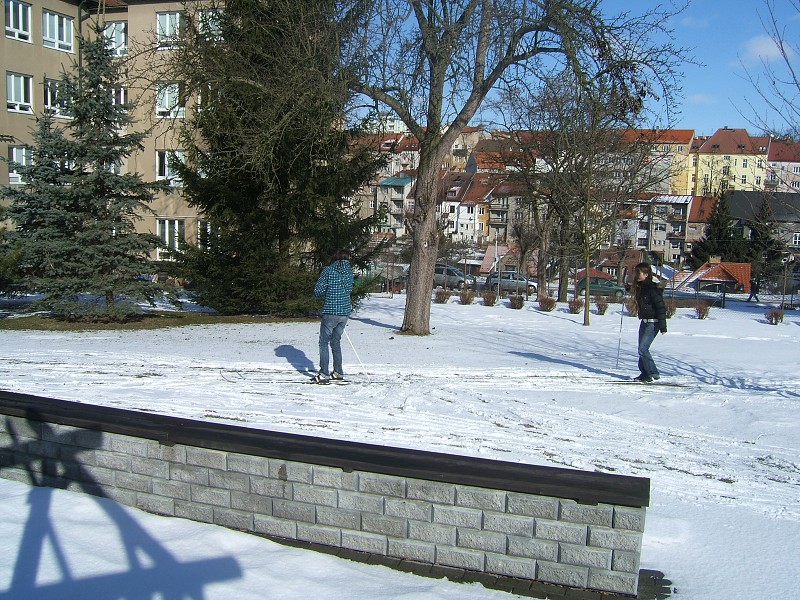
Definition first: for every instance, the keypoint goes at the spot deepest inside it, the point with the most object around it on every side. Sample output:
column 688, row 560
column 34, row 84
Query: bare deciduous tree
column 434, row 62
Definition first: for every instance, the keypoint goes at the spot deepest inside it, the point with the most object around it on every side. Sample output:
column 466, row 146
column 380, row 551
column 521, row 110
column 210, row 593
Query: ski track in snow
column 507, row 414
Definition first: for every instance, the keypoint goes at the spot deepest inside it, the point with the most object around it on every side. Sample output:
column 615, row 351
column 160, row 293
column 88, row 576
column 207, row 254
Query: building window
column 56, row 31
column 796, row 238
column 21, row 156
column 796, row 184
column 211, row 23
column 116, row 33
column 725, row 170
column 171, row 233
column 164, row 166
column 119, row 96
column 744, row 179
column 171, row 100
column 169, row 28
column 758, row 179
column 55, row 101
column 659, row 227
column 18, row 20
column 204, row 234
column 19, row 92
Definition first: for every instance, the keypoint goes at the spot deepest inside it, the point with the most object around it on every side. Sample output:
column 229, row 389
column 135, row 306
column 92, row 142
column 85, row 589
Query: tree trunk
column 425, row 240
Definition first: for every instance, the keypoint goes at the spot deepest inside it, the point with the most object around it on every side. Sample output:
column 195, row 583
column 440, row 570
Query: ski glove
column 662, row 326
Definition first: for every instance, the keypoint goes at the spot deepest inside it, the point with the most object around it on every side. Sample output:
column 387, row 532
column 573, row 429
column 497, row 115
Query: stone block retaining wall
column 500, row 531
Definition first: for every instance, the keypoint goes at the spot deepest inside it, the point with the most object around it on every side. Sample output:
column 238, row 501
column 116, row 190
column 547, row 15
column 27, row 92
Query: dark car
column 600, row 286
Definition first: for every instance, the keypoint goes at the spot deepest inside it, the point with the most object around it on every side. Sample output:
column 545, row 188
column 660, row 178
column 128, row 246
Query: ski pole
column 619, row 339
column 363, row 368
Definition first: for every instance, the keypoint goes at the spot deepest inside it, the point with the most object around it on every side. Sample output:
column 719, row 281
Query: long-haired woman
column 652, row 319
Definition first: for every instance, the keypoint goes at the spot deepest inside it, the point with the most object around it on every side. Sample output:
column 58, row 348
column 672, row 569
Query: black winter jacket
column 651, row 304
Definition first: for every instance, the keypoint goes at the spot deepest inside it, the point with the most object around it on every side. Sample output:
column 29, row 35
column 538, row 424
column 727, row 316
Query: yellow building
column 731, row 159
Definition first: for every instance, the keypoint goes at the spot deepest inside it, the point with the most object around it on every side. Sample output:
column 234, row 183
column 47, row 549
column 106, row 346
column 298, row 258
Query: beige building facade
column 41, row 40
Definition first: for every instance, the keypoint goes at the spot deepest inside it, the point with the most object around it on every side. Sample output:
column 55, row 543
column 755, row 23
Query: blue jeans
column 647, row 333
column 330, row 334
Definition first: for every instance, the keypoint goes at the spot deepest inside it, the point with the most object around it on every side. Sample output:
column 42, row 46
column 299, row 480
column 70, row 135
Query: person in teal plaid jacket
column 334, row 285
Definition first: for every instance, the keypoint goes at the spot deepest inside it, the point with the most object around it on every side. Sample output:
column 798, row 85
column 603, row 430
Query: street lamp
column 786, row 260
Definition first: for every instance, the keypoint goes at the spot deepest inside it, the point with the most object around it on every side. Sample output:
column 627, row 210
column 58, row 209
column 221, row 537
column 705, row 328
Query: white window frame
column 119, row 95
column 116, row 34
column 57, row 31
column 20, row 155
column 52, row 103
column 163, row 170
column 169, row 28
column 796, row 238
column 171, row 100
column 19, row 92
column 172, row 234
column 18, row 20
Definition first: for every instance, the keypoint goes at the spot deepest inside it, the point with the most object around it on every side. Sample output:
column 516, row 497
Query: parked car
column 452, row 277
column 510, row 281
column 600, row 286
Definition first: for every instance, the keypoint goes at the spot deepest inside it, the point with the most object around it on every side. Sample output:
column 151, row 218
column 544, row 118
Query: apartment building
column 783, row 170
column 41, row 39
column 731, row 159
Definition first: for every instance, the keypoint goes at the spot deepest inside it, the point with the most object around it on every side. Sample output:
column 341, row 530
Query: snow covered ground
column 722, row 448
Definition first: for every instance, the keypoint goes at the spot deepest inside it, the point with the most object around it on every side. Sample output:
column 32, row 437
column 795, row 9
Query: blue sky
column 726, row 36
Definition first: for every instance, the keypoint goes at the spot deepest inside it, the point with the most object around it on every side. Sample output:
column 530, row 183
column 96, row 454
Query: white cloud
column 694, row 23
column 701, row 99
column 760, row 48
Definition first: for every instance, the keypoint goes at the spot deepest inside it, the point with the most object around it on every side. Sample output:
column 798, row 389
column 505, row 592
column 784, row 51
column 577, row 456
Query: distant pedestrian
column 652, row 319
column 334, row 284
column 754, row 289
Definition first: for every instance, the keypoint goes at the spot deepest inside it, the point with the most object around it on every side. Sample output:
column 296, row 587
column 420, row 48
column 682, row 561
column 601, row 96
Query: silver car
column 510, row 281
column 451, row 277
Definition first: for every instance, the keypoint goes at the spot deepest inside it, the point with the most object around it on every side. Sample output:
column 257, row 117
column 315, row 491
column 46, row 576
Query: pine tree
column 75, row 213
column 721, row 239
column 267, row 161
column 765, row 249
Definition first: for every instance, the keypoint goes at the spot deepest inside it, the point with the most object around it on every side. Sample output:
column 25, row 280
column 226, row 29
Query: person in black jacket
column 653, row 318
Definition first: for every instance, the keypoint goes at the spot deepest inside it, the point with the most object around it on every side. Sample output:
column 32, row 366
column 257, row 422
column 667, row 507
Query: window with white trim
column 171, row 100
column 116, row 34
column 55, row 102
column 204, row 234
column 56, row 31
column 796, row 238
column 20, row 155
column 19, row 92
column 169, row 28
column 744, row 179
column 171, row 232
column 164, row 168
column 796, row 184
column 119, row 95
column 18, row 20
